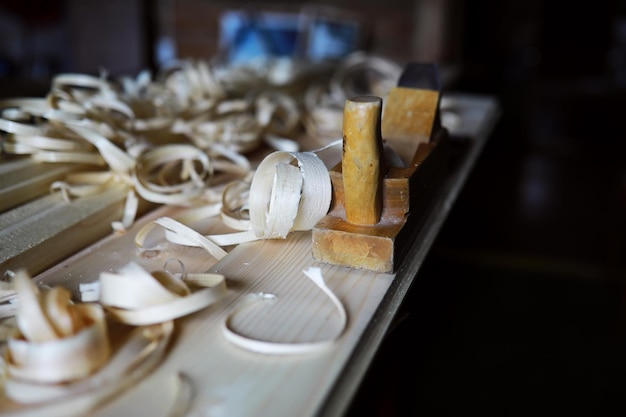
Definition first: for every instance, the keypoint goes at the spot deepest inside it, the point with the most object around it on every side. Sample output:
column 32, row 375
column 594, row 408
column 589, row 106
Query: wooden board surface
column 227, row 380
column 23, row 179
column 226, row 376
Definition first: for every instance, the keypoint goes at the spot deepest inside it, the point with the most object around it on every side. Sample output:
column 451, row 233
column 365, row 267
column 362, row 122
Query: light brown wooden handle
column 362, row 161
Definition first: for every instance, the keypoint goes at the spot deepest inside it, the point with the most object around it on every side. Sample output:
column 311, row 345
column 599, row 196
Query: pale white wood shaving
column 175, row 174
column 63, row 359
column 136, row 297
column 281, row 143
column 140, row 353
column 187, row 234
column 54, row 339
column 199, row 212
column 278, row 347
column 31, row 317
column 131, row 206
column 116, row 158
column 75, row 157
column 310, row 185
column 132, row 287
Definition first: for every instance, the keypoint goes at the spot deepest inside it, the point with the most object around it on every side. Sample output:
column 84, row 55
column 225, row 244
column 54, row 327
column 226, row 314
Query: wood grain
column 23, row 179
column 228, row 379
column 44, row 231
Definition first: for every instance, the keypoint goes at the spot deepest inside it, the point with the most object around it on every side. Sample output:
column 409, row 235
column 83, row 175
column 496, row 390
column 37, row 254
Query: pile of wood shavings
column 168, row 139
column 121, row 129
column 180, row 137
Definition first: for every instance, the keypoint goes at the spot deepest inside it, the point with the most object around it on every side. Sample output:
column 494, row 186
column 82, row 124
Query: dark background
column 520, row 307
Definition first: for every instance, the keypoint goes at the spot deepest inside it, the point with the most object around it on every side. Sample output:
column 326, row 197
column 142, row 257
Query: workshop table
column 204, row 374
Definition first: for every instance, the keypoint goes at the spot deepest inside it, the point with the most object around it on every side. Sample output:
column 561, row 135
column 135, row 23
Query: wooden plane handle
column 362, row 160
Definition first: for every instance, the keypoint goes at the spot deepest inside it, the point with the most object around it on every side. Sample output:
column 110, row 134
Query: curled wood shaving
column 277, row 347
column 177, row 232
column 141, row 351
column 58, row 359
column 137, row 297
column 235, row 209
column 55, row 339
column 289, row 191
column 175, row 174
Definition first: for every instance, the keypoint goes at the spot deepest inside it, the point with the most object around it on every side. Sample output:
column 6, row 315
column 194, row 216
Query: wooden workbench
column 210, row 376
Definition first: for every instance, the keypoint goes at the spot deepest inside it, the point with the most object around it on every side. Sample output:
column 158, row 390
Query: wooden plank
column 42, row 232
column 229, row 380
column 22, row 179
column 227, row 377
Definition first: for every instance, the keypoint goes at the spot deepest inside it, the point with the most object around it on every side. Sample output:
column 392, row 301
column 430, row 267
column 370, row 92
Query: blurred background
column 521, row 306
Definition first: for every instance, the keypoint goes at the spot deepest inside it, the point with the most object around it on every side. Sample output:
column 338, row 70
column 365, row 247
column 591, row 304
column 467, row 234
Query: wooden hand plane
column 394, row 158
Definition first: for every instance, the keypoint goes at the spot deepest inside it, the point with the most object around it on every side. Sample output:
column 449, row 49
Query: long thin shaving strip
column 277, row 347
